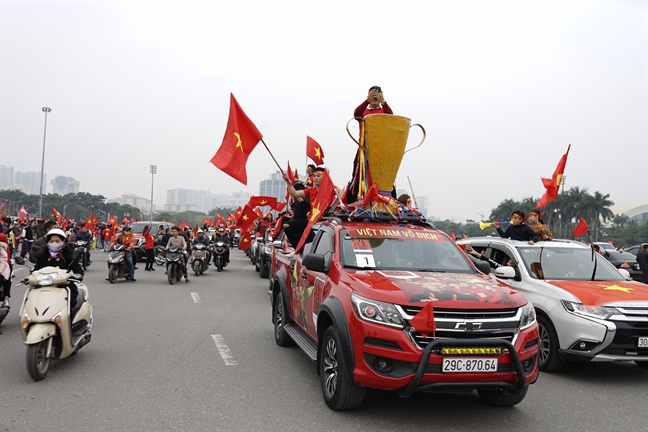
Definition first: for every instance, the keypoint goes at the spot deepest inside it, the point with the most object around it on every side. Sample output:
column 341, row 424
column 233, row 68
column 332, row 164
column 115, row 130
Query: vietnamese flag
column 244, row 242
column 58, row 216
column 314, row 151
column 22, row 213
column 552, row 185
column 3, row 208
column 247, row 217
column 423, row 322
column 90, row 224
column 280, row 206
column 581, row 228
column 262, row 201
column 241, row 137
column 324, row 198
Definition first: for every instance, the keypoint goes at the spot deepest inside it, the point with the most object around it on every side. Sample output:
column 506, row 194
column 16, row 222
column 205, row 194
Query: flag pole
column 272, row 156
column 412, row 189
column 553, row 204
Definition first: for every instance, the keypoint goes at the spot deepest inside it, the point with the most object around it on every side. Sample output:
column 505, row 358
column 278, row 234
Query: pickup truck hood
column 597, row 293
column 446, row 290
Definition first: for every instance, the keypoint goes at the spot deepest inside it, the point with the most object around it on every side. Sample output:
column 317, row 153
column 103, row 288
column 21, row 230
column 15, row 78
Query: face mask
column 55, row 247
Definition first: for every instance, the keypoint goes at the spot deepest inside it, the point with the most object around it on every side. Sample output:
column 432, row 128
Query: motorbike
column 83, row 246
column 219, row 255
column 117, row 264
column 160, row 255
column 174, row 264
column 199, row 262
column 51, row 328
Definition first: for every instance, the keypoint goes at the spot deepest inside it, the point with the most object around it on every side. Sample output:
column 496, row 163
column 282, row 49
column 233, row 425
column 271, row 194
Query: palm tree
column 600, row 210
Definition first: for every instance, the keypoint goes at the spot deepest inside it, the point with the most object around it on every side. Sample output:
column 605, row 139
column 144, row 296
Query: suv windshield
column 431, row 253
column 566, row 264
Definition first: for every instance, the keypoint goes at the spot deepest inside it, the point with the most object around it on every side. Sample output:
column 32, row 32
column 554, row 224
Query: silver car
column 586, row 308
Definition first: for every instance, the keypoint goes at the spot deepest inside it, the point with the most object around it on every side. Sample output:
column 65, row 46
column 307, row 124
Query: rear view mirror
column 276, row 244
column 625, row 273
column 505, row 272
column 483, row 266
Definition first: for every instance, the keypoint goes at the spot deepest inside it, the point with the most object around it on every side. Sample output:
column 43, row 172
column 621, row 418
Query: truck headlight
column 528, row 316
column 377, row 312
column 599, row 312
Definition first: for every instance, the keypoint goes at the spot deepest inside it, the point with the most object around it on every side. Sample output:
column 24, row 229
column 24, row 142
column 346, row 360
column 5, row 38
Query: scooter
column 199, row 259
column 51, row 329
column 85, row 248
column 160, row 256
column 117, row 264
column 219, row 256
column 174, row 265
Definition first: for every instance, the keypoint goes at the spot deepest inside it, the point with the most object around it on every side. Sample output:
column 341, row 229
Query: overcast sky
column 502, row 88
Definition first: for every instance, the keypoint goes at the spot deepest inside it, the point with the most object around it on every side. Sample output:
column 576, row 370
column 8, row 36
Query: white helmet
column 56, row 231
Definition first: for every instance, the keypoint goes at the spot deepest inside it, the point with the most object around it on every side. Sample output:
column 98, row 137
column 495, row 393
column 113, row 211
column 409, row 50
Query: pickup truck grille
column 473, row 324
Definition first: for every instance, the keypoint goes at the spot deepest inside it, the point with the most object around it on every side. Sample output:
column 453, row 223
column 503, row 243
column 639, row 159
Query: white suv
column 586, row 308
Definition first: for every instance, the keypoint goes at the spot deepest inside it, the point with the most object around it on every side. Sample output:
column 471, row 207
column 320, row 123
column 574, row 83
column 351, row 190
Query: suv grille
column 474, row 324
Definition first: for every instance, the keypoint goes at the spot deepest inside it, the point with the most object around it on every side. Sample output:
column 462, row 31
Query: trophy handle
column 424, row 135
column 349, row 132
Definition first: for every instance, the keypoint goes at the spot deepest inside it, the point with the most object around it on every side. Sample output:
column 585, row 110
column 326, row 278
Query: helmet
column 199, row 231
column 126, row 228
column 56, row 231
column 220, row 230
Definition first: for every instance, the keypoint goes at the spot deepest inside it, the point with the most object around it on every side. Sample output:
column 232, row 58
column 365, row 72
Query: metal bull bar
column 413, row 387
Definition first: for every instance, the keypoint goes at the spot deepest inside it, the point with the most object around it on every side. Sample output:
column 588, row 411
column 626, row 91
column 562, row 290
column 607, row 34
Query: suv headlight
column 528, row 316
column 377, row 312
column 599, row 312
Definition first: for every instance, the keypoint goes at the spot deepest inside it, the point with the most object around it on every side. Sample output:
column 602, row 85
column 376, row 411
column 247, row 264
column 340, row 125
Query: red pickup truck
column 347, row 301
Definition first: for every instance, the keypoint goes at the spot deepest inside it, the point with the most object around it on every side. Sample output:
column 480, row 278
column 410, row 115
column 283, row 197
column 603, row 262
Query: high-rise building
column 275, row 186
column 62, row 185
column 32, row 181
column 6, row 176
column 143, row 204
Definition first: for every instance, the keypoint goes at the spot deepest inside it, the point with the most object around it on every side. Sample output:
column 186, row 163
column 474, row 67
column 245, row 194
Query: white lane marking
column 195, row 297
column 224, row 351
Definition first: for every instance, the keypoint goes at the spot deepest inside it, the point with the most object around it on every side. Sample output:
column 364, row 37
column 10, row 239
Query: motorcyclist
column 220, row 236
column 202, row 238
column 57, row 255
column 41, row 242
column 85, row 235
column 179, row 241
column 127, row 239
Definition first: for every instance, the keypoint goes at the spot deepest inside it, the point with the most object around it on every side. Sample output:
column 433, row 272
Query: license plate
column 459, row 364
column 643, row 342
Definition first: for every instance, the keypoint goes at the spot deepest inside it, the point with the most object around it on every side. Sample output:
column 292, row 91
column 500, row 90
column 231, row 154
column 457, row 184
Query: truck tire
column 339, row 391
column 280, row 318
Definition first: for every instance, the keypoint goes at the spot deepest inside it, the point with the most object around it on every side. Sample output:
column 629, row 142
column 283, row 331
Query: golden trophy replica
column 383, row 138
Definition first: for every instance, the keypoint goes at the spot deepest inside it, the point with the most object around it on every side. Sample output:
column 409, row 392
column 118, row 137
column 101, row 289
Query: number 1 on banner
column 363, row 260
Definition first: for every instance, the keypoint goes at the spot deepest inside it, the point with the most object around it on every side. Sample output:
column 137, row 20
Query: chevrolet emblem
column 468, row 325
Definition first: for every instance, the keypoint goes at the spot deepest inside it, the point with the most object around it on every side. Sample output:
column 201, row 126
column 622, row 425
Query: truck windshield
column 415, row 254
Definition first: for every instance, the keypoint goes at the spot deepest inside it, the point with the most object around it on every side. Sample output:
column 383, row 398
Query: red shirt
column 311, row 193
column 149, row 242
column 107, row 234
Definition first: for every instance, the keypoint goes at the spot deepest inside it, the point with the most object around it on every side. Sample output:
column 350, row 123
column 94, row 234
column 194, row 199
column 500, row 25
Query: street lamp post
column 40, row 198
column 153, row 172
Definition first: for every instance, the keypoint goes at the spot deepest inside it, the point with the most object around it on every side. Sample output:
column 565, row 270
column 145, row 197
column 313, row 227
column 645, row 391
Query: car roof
column 569, row 244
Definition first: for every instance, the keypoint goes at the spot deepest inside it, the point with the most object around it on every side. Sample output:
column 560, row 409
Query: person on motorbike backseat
column 127, row 239
column 179, row 241
column 84, row 235
column 202, row 238
column 57, row 255
column 220, row 236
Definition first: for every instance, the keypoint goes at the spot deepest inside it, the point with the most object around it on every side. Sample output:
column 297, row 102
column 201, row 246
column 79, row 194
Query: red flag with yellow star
column 324, row 198
column 314, row 151
column 241, row 137
column 552, row 185
column 247, row 217
column 262, row 201
column 244, row 242
column 423, row 322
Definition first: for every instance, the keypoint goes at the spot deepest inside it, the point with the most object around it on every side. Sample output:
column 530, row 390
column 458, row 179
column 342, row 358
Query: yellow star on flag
column 318, row 152
column 263, row 202
column 245, row 240
column 616, row 287
column 316, row 211
column 245, row 217
column 239, row 144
